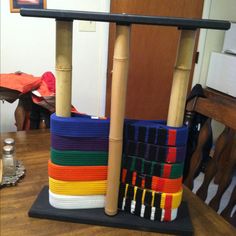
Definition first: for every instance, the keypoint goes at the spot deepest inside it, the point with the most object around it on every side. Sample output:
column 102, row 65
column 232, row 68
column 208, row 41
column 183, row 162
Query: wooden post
column 181, row 78
column 118, row 99
column 63, row 67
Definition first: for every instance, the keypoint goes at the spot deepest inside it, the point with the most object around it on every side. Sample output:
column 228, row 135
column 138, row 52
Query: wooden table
column 33, row 149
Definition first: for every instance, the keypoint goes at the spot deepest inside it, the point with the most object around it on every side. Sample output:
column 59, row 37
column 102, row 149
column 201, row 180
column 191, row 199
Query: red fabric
column 172, row 137
column 167, row 215
column 171, row 156
column 124, row 172
column 167, row 171
column 168, row 202
column 45, row 94
column 20, row 82
column 134, row 178
column 49, row 79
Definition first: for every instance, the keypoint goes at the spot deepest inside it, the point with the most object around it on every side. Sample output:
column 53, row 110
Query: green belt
column 79, row 158
column 159, row 169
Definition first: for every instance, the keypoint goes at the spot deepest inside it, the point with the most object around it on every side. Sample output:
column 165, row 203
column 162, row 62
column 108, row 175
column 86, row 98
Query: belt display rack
column 147, row 134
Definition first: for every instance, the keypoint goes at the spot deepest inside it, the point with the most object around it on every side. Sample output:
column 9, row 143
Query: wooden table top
column 33, row 149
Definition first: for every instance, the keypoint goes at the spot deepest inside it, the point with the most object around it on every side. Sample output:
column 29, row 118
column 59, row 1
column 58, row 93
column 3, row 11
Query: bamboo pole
column 118, row 99
column 181, row 78
column 63, row 67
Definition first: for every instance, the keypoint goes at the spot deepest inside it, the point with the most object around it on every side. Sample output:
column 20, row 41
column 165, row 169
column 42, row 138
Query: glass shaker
column 8, row 161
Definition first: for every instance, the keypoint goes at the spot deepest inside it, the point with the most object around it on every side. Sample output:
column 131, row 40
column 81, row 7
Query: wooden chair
column 222, row 165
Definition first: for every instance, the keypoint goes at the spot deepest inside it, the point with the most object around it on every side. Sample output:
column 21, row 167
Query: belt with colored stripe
column 164, row 170
column 151, row 182
column 152, row 152
column 155, row 132
column 78, row 158
column 76, row 202
column 79, row 143
column 77, row 173
column 77, row 187
column 148, row 212
column 149, row 197
column 80, row 126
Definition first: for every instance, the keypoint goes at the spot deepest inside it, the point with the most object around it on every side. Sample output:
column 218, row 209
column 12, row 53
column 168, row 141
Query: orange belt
column 151, row 182
column 77, row 173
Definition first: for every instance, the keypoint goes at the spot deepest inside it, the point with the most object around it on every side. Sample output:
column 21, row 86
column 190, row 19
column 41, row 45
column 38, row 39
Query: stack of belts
column 152, row 167
column 77, row 168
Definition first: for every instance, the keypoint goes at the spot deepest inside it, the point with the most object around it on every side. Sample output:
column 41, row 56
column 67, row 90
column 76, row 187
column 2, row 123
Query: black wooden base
column 42, row 209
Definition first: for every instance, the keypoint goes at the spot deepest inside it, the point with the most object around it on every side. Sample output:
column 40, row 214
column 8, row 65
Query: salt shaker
column 8, row 161
column 9, row 141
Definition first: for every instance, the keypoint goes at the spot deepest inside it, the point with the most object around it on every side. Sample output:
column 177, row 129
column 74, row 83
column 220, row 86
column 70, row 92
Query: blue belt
column 155, row 132
column 80, row 126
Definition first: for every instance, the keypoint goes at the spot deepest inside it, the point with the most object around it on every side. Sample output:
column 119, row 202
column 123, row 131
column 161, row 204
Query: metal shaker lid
column 8, row 149
column 9, row 141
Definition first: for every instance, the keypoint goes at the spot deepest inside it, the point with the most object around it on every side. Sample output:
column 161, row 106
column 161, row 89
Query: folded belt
column 151, row 182
column 76, row 202
column 164, row 170
column 77, row 187
column 78, row 158
column 154, row 152
column 77, row 173
column 79, row 143
column 148, row 212
column 156, row 132
column 79, row 126
column 149, row 197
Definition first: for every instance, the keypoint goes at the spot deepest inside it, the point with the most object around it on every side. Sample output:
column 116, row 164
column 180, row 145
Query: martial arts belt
column 164, row 170
column 158, row 153
column 78, row 166
column 155, row 132
column 149, row 204
column 152, row 167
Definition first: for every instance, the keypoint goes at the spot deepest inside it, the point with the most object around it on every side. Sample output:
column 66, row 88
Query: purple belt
column 78, row 143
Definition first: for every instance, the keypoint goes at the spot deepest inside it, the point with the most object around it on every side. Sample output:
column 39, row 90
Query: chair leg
column 211, row 168
column 196, row 159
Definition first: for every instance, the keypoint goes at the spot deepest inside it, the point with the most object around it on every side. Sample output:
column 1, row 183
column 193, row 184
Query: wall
column 212, row 40
column 28, row 44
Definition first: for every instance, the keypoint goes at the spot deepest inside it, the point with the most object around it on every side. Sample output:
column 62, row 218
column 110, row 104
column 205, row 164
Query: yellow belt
column 77, row 187
column 156, row 199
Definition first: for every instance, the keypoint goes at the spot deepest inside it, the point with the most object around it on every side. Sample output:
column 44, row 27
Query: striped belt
column 77, row 173
column 77, row 187
column 149, row 197
column 153, row 152
column 78, row 143
column 151, row 182
column 79, row 126
column 78, row 158
column 148, row 212
column 164, row 170
column 76, row 202
column 155, row 132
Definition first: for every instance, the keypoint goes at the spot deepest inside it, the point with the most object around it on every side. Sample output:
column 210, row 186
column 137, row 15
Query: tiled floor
column 212, row 191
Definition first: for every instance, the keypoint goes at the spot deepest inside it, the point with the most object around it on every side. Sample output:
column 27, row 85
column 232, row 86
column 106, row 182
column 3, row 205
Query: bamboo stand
column 63, row 67
column 181, row 78
column 118, row 99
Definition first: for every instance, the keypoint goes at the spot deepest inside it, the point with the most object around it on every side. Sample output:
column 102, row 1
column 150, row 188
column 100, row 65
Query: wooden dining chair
column 221, row 167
